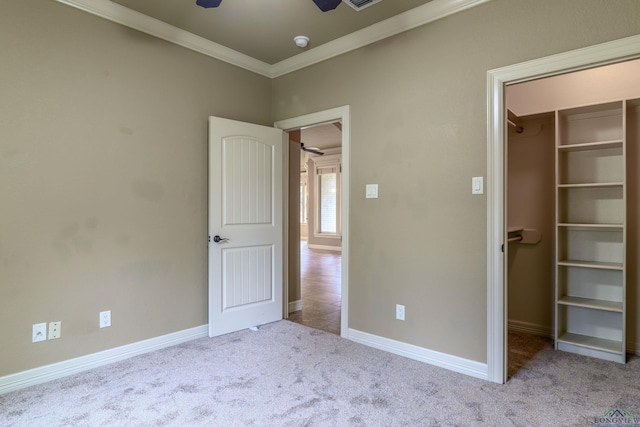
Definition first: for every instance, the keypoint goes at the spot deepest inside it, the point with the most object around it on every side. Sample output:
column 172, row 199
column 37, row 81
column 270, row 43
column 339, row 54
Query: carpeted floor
column 287, row 374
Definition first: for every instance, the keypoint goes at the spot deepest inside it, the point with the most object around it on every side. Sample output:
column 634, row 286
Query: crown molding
column 429, row 12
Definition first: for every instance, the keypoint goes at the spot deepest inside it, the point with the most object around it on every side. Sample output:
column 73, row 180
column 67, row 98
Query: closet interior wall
column 530, row 204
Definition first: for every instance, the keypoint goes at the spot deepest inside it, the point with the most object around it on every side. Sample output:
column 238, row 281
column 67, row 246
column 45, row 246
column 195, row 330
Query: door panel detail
column 247, row 276
column 247, row 176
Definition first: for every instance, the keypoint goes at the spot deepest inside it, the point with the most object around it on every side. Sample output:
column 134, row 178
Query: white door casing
column 246, row 212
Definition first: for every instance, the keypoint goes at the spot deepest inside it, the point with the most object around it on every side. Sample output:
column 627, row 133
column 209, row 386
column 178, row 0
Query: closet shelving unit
column 590, row 309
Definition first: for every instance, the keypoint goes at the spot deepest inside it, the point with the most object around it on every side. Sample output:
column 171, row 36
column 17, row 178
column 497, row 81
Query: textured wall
column 531, row 204
column 419, row 120
column 103, row 179
column 103, row 173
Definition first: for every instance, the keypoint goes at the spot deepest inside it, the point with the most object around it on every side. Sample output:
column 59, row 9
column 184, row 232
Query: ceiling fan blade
column 311, row 150
column 327, row 5
column 208, row 3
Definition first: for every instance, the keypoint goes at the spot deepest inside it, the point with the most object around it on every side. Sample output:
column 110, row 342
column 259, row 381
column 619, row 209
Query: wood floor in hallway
column 320, row 285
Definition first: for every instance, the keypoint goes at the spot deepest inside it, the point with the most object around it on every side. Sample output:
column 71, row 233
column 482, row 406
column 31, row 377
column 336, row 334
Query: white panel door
column 245, row 225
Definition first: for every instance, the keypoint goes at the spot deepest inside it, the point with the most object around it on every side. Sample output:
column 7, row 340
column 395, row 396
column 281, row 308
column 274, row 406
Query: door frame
column 327, row 116
column 497, row 79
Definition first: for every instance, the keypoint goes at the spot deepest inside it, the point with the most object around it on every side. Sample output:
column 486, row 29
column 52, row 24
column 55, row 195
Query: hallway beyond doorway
column 320, row 274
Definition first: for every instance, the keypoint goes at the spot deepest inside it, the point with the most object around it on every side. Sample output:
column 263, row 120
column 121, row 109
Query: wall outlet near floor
column 39, row 332
column 105, row 319
column 399, row 311
column 55, row 330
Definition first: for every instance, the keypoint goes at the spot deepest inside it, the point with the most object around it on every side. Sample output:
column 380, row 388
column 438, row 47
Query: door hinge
column 501, row 248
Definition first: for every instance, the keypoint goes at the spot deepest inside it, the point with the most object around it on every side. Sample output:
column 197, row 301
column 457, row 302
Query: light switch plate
column 372, row 191
column 477, row 185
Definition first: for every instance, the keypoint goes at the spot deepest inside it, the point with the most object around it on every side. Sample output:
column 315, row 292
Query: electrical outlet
column 54, row 330
column 399, row 311
column 39, row 332
column 105, row 319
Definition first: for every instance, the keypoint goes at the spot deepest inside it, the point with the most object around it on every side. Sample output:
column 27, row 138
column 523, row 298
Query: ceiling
column 257, row 35
column 322, row 136
column 264, row 29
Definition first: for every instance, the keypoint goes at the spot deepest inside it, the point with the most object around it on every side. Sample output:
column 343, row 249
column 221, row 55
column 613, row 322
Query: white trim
column 286, row 306
column 327, row 236
column 46, row 373
column 325, row 247
column 342, row 114
column 295, row 306
column 497, row 79
column 429, row 12
column 442, row 360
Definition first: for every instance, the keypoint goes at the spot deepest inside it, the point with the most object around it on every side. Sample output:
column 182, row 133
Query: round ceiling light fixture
column 301, row 41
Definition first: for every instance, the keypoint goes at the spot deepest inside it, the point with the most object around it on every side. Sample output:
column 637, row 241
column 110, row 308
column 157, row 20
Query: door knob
column 219, row 239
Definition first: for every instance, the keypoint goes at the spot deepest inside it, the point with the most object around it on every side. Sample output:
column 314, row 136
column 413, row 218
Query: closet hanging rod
column 515, row 239
column 519, row 128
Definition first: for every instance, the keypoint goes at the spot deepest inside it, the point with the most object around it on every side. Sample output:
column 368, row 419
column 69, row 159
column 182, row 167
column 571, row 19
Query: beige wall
column 419, row 120
column 531, row 204
column 103, row 169
column 103, row 179
column 293, row 266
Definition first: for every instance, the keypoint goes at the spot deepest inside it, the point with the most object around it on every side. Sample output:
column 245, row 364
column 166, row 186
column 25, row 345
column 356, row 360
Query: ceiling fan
column 324, row 5
column 311, row 150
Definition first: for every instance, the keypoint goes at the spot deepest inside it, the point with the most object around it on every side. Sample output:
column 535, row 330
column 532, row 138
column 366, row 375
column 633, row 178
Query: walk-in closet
column 572, row 210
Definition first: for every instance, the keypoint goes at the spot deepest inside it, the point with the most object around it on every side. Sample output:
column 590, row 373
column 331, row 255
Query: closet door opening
column 530, row 223
column 571, row 156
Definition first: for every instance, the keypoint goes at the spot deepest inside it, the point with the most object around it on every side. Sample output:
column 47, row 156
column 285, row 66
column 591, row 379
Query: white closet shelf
column 596, row 304
column 592, row 264
column 592, row 185
column 585, row 146
column 591, row 225
column 601, row 344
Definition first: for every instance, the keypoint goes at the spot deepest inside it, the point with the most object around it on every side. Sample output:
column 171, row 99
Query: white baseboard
column 46, row 373
column 295, row 306
column 325, row 247
column 530, row 328
column 442, row 360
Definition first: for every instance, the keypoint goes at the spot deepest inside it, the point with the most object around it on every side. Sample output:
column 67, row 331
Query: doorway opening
column 498, row 79
column 320, row 215
column 318, row 210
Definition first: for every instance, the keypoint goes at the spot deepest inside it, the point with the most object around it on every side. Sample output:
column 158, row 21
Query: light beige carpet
column 286, row 374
